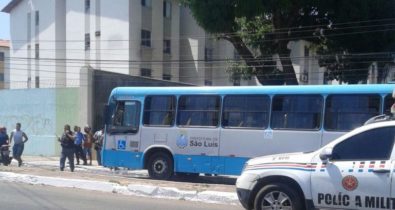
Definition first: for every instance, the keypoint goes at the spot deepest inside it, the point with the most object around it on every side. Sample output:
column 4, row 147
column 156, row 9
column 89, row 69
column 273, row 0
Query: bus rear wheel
column 160, row 166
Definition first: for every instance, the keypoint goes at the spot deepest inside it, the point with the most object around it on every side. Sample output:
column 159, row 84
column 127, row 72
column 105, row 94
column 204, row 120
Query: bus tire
column 160, row 166
column 290, row 198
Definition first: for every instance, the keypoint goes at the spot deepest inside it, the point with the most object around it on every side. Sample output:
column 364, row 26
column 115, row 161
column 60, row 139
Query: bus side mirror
column 326, row 154
column 107, row 117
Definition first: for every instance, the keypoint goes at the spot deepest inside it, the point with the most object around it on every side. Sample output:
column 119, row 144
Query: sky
column 4, row 21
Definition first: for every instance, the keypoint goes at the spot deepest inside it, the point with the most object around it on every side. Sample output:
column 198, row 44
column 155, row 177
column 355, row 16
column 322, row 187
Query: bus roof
column 221, row 90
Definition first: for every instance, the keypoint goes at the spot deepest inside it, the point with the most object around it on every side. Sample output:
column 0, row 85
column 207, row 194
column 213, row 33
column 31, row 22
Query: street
column 21, row 196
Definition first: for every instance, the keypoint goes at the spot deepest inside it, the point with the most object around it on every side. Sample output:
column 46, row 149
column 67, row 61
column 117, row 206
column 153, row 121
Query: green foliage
column 361, row 30
column 213, row 16
column 239, row 70
column 346, row 34
column 253, row 31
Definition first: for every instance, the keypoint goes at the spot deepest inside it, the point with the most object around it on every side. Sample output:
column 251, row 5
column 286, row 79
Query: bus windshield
column 126, row 117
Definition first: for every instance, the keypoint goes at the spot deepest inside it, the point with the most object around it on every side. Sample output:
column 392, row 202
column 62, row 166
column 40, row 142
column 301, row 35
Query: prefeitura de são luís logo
column 350, row 183
column 182, row 140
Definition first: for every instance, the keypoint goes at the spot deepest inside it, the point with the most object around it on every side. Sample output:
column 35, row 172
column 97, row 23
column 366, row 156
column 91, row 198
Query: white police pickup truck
column 355, row 171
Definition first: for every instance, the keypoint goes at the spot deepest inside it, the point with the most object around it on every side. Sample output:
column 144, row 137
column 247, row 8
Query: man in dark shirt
column 67, row 143
column 3, row 136
column 4, row 140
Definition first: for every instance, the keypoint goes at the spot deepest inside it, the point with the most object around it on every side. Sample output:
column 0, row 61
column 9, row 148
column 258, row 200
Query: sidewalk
column 45, row 171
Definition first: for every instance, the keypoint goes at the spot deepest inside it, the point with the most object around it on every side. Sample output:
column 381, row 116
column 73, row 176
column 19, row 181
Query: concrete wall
column 42, row 113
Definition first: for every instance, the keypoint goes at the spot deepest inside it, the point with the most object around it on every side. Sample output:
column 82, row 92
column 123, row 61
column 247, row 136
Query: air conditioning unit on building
column 304, row 77
column 391, row 76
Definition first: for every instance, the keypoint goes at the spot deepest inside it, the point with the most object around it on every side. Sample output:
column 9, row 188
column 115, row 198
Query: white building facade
column 51, row 40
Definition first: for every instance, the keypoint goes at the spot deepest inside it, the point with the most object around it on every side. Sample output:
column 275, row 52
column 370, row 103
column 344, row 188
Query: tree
column 361, row 32
column 259, row 29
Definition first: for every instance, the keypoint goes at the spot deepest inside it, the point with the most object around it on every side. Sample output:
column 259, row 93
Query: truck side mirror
column 326, row 154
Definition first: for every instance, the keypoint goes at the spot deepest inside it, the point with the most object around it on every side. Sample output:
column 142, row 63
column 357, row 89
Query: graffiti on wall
column 31, row 124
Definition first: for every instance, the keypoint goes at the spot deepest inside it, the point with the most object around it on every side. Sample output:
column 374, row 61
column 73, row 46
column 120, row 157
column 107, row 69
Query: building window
column 208, row 54
column 146, row 38
column 87, row 5
column 145, row 72
column 1, row 56
column 37, row 18
column 37, row 51
column 87, row 42
column 146, row 3
column 306, row 51
column 37, row 82
column 167, row 46
column 166, row 9
column 208, row 83
column 2, row 77
column 236, row 55
column 237, row 82
column 29, row 26
column 166, row 77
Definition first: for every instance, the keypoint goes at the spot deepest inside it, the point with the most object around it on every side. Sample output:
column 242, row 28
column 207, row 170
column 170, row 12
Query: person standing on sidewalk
column 98, row 138
column 88, row 143
column 78, row 139
column 68, row 148
column 4, row 142
column 20, row 138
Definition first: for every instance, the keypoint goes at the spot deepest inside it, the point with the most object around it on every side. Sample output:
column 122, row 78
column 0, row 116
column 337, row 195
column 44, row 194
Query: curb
column 131, row 189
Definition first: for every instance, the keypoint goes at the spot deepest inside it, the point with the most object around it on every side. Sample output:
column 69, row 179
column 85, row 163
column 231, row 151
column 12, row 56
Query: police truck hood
column 298, row 157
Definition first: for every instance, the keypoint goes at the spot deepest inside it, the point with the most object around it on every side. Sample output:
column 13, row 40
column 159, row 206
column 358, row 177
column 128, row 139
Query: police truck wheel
column 278, row 196
column 160, row 166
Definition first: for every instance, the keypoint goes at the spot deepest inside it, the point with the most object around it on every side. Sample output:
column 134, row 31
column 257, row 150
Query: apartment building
column 57, row 38
column 51, row 40
column 4, row 64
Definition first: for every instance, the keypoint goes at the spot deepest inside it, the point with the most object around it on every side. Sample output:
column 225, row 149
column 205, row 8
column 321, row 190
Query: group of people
column 18, row 138
column 80, row 144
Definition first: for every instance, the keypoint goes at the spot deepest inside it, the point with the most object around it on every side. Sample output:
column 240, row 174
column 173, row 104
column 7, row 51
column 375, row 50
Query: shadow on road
column 202, row 179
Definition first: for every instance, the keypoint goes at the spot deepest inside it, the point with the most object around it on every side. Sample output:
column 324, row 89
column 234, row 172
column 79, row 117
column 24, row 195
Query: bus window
column 301, row 112
column 388, row 102
column 198, row 110
column 126, row 116
column 346, row 112
column 246, row 111
column 159, row 110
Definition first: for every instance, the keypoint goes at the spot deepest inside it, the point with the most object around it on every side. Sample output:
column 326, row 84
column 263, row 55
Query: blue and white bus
column 215, row 130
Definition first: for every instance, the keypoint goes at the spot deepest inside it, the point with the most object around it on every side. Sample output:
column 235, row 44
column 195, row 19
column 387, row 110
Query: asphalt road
column 22, row 196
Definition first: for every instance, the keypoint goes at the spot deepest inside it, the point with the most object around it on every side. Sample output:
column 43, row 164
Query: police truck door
column 358, row 173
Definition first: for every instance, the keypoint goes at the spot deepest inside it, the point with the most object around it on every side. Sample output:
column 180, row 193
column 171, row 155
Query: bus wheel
column 278, row 196
column 160, row 166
